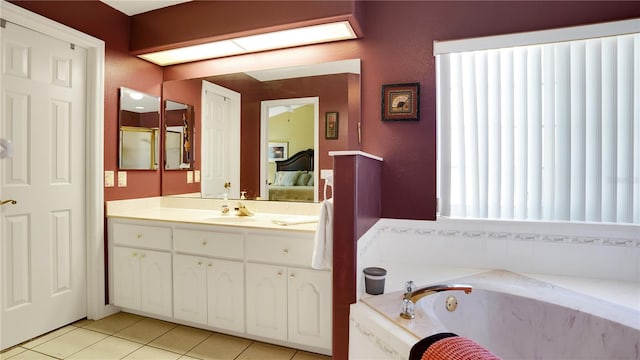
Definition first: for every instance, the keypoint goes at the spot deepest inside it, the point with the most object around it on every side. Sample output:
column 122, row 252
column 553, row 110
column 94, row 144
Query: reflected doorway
column 287, row 126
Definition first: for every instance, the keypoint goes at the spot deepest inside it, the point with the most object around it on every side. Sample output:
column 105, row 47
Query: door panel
column 43, row 264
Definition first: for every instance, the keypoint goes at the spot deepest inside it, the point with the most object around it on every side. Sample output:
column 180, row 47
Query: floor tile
column 180, row 339
column 73, row 341
column 114, row 323
column 151, row 353
column 82, row 323
column 109, row 348
column 220, row 347
column 186, row 357
column 52, row 335
column 145, row 331
column 262, row 351
column 303, row 355
column 11, row 352
column 31, row 355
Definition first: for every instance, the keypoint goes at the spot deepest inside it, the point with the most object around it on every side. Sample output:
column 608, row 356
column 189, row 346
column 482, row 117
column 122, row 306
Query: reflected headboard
column 302, row 160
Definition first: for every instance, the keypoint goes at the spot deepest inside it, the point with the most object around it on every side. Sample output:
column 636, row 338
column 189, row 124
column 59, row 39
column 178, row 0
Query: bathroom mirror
column 179, row 135
column 335, row 84
column 138, row 120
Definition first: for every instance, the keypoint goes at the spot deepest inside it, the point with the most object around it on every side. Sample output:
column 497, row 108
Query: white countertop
column 153, row 209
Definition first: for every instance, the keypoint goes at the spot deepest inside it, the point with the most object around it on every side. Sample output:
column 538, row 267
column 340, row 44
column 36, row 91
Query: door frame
column 94, row 135
column 264, row 139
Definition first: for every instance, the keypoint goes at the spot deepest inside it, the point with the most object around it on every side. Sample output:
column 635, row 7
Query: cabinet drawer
column 283, row 249
column 212, row 243
column 156, row 237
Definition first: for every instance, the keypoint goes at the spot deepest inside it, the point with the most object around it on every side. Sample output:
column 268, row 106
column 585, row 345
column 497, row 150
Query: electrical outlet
column 196, row 175
column 108, row 178
column 122, row 179
column 325, row 172
column 189, row 177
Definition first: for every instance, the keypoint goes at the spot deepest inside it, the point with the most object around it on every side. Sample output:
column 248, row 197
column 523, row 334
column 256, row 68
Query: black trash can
column 374, row 280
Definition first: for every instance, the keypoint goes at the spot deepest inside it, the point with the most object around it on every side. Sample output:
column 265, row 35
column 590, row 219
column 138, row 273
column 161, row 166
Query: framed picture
column 278, row 151
column 401, row 102
column 331, row 125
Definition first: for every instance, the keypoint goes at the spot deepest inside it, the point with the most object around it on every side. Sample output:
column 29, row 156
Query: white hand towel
column 323, row 244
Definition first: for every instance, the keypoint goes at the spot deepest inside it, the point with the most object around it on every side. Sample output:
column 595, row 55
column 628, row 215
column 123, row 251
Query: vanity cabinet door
column 309, row 298
column 190, row 288
column 266, row 301
column 126, row 277
column 142, row 280
column 225, row 294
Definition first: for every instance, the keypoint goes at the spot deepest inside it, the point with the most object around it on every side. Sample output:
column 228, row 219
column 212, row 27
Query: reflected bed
column 294, row 180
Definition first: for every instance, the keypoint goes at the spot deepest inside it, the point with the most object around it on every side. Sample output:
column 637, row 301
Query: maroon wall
column 397, row 47
column 121, row 69
column 357, row 206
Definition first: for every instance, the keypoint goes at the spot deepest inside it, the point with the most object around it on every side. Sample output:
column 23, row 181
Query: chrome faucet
column 410, row 298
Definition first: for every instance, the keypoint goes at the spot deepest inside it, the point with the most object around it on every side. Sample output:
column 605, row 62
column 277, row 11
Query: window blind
column 543, row 132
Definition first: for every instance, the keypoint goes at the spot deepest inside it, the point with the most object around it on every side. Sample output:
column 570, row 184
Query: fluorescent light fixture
column 136, row 95
column 274, row 40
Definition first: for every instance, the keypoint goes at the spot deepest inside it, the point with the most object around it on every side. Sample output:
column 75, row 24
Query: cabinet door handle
column 143, row 255
column 204, row 242
column 285, row 251
column 139, row 236
column 292, row 276
column 210, row 265
column 134, row 254
column 199, row 262
column 279, row 273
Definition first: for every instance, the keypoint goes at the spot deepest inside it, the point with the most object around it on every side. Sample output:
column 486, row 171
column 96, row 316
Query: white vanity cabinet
column 255, row 282
column 208, row 290
column 141, row 269
column 284, row 300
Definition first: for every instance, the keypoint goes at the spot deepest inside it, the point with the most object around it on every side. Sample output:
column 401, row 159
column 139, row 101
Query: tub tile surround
column 599, row 261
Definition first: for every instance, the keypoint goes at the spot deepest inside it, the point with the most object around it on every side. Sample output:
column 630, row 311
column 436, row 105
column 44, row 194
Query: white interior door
column 220, row 141
column 43, row 250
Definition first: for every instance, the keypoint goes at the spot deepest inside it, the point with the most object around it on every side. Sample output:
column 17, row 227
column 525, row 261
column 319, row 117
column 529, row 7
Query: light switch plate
column 196, row 175
column 189, row 177
column 108, row 178
column 122, row 179
column 325, row 172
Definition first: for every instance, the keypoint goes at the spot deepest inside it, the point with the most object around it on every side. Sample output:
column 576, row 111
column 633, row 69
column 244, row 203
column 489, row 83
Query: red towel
column 457, row 348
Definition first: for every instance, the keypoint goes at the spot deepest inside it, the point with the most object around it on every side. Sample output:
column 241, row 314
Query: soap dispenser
column 225, row 210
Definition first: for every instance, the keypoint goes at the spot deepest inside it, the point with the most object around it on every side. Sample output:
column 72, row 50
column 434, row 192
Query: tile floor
column 128, row 336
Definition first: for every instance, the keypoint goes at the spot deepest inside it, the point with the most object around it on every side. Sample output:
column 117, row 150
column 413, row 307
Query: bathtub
column 512, row 315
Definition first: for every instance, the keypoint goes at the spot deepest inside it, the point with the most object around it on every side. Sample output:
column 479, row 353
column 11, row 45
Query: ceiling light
column 274, row 40
column 135, row 95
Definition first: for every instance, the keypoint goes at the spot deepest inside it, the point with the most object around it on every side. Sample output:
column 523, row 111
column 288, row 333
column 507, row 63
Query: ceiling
column 133, row 7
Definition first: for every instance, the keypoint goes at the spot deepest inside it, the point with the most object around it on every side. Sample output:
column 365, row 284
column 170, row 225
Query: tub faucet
column 411, row 298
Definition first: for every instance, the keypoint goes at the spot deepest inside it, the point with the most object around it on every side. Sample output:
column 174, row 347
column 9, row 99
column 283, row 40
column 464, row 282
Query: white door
column 225, row 289
column 310, row 307
column 43, row 256
column 189, row 289
column 155, row 282
column 220, row 141
column 126, row 277
column 267, row 301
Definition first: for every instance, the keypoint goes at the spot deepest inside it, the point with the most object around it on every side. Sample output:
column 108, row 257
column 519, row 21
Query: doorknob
column 13, row 202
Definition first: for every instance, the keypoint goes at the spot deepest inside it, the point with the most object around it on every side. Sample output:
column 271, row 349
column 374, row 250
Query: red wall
column 121, row 69
column 397, row 47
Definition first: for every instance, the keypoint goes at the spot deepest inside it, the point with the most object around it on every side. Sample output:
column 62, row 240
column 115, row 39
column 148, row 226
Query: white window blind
column 542, row 132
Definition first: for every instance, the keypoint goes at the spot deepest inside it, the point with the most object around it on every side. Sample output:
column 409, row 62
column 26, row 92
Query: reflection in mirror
column 138, row 118
column 179, row 136
column 289, row 127
column 335, row 84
